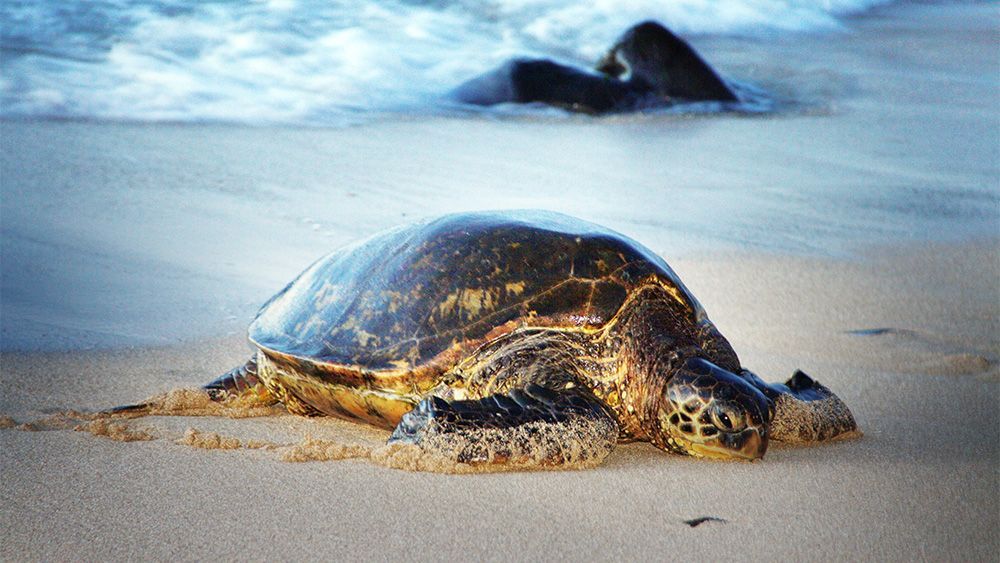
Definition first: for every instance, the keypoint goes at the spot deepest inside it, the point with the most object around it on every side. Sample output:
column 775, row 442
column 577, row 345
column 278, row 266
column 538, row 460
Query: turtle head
column 710, row 412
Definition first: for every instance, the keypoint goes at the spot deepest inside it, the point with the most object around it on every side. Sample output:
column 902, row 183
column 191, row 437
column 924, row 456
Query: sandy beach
column 854, row 234
column 921, row 483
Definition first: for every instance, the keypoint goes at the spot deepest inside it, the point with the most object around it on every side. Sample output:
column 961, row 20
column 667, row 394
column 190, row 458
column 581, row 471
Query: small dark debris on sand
column 880, row 332
column 698, row 521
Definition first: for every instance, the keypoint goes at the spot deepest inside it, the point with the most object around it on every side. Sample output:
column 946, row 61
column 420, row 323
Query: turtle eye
column 726, row 420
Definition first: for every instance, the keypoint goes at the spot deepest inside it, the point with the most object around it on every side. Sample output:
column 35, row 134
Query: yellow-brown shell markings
column 364, row 332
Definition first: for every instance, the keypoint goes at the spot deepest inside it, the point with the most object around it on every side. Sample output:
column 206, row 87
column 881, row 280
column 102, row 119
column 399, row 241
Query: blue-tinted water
column 321, row 62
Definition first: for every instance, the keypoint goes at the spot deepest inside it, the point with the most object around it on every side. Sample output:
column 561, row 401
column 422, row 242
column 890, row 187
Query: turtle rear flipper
column 240, row 383
column 528, row 427
column 239, row 386
column 805, row 410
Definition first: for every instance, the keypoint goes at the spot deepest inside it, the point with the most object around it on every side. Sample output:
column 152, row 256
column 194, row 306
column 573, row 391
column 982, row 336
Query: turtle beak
column 754, row 444
column 749, row 444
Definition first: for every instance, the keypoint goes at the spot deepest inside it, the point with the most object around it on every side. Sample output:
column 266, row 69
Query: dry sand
column 854, row 237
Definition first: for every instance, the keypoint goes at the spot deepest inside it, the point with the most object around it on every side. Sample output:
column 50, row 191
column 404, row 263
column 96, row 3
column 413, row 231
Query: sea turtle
column 524, row 337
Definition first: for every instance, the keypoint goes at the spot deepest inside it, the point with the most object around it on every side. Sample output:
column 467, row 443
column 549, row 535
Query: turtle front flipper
column 805, row 410
column 529, row 427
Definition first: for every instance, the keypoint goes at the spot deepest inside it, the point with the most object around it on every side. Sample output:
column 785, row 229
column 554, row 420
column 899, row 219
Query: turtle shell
column 405, row 297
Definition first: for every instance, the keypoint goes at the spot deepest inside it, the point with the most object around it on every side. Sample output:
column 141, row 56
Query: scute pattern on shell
column 404, row 297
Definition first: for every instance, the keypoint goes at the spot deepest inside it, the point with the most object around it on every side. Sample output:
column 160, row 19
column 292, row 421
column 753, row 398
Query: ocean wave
column 325, row 62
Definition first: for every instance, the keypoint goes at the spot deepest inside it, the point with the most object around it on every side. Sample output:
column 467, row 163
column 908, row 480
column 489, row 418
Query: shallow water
column 315, row 62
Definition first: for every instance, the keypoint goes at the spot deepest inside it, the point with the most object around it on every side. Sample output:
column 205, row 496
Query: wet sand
column 854, row 237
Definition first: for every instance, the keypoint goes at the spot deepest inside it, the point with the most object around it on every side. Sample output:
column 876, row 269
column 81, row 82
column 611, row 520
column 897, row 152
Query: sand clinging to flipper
column 194, row 402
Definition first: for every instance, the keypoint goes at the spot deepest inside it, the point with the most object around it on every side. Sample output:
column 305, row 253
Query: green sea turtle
column 526, row 338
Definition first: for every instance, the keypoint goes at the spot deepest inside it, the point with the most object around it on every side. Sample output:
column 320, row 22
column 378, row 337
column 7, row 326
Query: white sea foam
column 320, row 61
